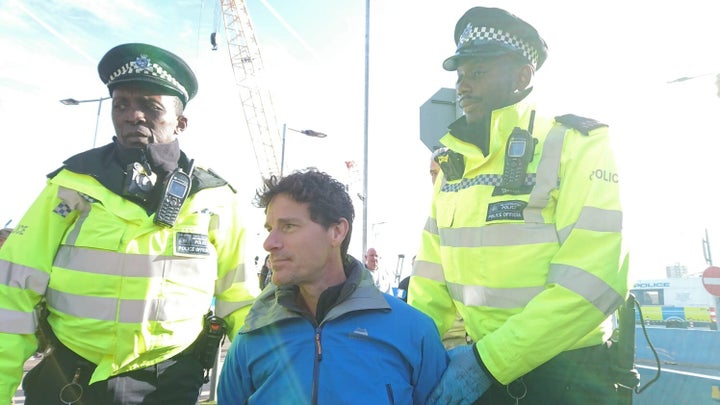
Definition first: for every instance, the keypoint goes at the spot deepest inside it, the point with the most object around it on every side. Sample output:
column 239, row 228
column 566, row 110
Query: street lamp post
column 365, row 131
column 307, row 132
column 72, row 101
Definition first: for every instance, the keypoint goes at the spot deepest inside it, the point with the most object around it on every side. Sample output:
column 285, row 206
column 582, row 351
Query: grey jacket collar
column 358, row 293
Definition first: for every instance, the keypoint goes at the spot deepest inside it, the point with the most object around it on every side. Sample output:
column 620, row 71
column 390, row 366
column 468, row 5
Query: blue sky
column 609, row 61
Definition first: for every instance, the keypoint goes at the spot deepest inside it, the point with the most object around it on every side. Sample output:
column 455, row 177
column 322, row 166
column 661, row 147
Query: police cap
column 143, row 64
column 490, row 32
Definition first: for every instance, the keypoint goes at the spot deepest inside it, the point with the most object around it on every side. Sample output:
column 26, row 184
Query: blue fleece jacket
column 370, row 348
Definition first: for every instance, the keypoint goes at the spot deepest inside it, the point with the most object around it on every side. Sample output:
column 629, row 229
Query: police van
column 675, row 303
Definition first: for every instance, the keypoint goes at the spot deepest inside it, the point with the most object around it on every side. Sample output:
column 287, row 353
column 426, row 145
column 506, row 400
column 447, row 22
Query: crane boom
column 255, row 97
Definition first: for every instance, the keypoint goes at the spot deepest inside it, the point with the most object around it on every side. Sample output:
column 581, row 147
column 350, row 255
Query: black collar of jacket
column 478, row 134
column 104, row 164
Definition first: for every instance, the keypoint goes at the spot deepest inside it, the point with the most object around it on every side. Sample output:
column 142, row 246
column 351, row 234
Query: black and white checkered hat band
column 490, row 35
column 143, row 65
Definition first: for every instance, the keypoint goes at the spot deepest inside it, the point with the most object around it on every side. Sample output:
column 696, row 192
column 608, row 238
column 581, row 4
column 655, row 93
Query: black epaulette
column 207, row 178
column 582, row 124
column 54, row 173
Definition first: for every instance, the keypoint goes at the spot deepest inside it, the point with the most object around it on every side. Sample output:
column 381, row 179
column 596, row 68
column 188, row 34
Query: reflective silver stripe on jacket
column 596, row 220
column 128, row 265
column 433, row 271
column 122, row 310
column 547, row 174
column 131, row 265
column 431, row 226
column 498, row 235
column 15, row 276
column 235, row 276
column 223, row 308
column 27, row 278
column 585, row 284
column 481, row 296
column 75, row 201
column 17, row 322
column 589, row 286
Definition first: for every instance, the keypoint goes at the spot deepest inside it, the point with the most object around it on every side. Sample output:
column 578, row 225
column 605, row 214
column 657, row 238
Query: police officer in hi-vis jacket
column 524, row 235
column 126, row 246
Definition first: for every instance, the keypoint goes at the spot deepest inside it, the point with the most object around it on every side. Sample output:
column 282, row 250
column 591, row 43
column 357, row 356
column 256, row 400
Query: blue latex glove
column 463, row 382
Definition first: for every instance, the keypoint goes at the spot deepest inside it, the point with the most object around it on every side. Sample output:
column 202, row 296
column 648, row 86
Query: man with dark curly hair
column 322, row 323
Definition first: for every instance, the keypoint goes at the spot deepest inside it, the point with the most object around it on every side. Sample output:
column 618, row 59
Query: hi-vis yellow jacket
column 122, row 292
column 532, row 274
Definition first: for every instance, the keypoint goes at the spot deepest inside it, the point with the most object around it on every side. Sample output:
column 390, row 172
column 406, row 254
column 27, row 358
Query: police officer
column 128, row 244
column 524, row 237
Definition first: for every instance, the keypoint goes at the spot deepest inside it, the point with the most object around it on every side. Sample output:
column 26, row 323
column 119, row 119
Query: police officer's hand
column 463, row 382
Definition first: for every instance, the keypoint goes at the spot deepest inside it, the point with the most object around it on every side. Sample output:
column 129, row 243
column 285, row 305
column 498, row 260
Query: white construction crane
column 255, row 97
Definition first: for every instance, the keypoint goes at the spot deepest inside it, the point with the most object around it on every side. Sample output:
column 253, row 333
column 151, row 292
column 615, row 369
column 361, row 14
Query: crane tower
column 254, row 94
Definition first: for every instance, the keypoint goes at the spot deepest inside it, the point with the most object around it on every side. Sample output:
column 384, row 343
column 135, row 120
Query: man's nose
column 134, row 115
column 462, row 86
column 271, row 242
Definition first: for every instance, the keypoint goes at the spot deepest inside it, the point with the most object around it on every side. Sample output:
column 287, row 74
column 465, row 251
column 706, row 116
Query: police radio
column 519, row 153
column 208, row 343
column 177, row 189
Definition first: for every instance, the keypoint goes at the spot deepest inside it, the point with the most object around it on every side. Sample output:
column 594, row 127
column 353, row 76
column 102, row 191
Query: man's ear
column 181, row 125
column 338, row 231
column 524, row 77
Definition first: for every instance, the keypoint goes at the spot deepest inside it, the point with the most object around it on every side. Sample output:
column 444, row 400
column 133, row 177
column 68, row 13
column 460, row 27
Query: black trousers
column 63, row 376
column 584, row 376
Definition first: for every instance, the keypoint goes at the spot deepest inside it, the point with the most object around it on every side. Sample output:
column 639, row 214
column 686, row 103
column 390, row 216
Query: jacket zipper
column 316, row 366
